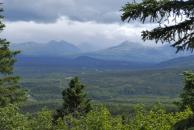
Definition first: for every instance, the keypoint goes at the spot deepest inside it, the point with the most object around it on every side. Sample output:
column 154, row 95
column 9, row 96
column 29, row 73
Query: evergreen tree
column 74, row 101
column 187, row 96
column 179, row 13
column 176, row 26
column 10, row 91
column 187, row 100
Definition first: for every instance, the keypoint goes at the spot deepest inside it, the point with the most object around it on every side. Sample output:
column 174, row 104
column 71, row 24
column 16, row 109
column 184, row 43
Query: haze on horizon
column 84, row 21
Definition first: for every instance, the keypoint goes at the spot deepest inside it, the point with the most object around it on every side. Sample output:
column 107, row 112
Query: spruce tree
column 187, row 100
column 10, row 91
column 187, row 96
column 179, row 13
column 75, row 101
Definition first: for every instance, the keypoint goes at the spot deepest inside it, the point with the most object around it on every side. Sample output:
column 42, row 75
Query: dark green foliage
column 184, row 124
column 187, row 100
column 178, row 12
column 187, row 96
column 7, row 57
column 75, row 100
column 10, row 91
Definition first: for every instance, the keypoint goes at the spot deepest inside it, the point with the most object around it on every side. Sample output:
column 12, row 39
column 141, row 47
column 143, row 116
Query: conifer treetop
column 181, row 13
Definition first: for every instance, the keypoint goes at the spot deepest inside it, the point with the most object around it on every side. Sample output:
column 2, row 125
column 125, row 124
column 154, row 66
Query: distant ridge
column 78, row 62
column 180, row 62
column 87, row 62
column 52, row 48
column 136, row 52
column 126, row 51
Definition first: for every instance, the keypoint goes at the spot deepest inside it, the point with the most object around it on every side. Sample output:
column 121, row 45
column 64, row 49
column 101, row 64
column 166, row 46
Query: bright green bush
column 101, row 119
column 156, row 119
column 98, row 119
column 11, row 119
column 42, row 120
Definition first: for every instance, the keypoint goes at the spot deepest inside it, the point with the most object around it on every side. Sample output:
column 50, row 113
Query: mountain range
column 136, row 52
column 126, row 51
column 50, row 49
column 82, row 62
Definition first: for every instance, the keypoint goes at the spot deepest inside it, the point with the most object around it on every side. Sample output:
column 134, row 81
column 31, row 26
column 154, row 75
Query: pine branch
column 180, row 34
column 156, row 10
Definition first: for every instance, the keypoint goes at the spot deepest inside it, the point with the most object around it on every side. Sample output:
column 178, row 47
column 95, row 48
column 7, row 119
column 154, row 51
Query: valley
column 122, row 75
column 110, row 85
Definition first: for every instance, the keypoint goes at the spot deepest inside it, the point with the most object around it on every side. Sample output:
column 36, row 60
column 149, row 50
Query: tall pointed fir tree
column 187, row 96
column 187, row 100
column 75, row 101
column 175, row 20
column 10, row 91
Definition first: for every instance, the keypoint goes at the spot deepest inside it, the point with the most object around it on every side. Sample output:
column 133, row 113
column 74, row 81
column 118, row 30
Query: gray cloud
column 77, row 21
column 106, row 11
column 100, row 34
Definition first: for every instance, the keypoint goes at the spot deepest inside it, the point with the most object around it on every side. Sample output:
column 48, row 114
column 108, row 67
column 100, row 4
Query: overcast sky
column 76, row 21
